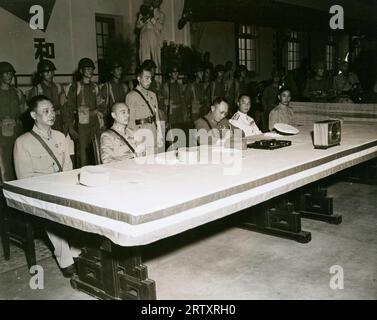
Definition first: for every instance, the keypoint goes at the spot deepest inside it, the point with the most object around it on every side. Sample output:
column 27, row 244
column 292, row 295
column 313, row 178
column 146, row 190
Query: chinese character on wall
column 44, row 50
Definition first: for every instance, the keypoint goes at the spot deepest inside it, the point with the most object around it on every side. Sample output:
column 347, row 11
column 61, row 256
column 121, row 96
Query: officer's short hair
column 241, row 96
column 149, row 64
column 284, row 88
column 114, row 106
column 141, row 69
column 34, row 102
column 217, row 101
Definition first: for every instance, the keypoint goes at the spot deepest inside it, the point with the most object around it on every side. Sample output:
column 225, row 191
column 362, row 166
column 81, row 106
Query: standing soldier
column 84, row 119
column 196, row 96
column 12, row 106
column 207, row 79
column 155, row 86
column 113, row 91
column 54, row 91
column 174, row 98
column 144, row 107
column 217, row 87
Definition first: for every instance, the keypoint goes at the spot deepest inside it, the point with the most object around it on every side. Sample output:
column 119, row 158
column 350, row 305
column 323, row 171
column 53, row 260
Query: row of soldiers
column 83, row 107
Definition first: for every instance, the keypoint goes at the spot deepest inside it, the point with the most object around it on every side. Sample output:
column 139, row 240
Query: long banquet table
column 146, row 203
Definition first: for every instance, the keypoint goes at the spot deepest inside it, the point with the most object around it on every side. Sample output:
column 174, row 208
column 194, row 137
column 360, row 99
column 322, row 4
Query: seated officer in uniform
column 118, row 142
column 282, row 113
column 44, row 151
column 241, row 120
column 215, row 121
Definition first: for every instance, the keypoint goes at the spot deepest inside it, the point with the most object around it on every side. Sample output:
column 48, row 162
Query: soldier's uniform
column 12, row 107
column 245, row 123
column 155, row 87
column 114, row 148
column 54, row 92
column 269, row 102
column 141, row 115
column 217, row 89
column 84, row 109
column 280, row 114
column 230, row 94
column 208, row 123
column 112, row 92
column 174, row 98
column 31, row 159
column 195, row 99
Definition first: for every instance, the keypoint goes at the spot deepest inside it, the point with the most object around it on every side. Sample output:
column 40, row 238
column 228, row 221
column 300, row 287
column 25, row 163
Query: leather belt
column 150, row 119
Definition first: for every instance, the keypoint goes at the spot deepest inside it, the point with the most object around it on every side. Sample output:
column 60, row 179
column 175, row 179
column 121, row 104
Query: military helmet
column 86, row 63
column 6, row 67
column 45, row 65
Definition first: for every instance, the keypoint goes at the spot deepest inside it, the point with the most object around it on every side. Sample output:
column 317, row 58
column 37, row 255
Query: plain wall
column 266, row 57
column 219, row 39
column 72, row 29
column 17, row 39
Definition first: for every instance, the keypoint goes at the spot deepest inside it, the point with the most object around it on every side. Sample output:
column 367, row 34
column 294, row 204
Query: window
column 105, row 29
column 247, row 47
column 293, row 51
column 330, row 54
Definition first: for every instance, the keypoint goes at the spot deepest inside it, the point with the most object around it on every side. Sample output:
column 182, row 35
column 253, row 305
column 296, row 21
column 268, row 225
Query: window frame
column 330, row 53
column 247, row 46
column 111, row 23
column 293, row 50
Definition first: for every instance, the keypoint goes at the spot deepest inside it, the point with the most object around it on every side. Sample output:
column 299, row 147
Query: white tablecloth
column 146, row 203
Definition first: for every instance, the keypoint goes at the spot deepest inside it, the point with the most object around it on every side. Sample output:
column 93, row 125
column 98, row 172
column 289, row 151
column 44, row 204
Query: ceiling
column 285, row 13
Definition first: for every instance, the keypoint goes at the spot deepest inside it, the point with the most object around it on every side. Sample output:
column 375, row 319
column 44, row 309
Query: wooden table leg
column 113, row 272
column 276, row 218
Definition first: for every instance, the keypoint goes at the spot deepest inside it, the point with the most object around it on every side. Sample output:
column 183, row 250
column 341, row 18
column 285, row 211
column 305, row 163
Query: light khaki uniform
column 216, row 128
column 280, row 114
column 140, row 113
column 30, row 160
column 113, row 148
